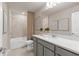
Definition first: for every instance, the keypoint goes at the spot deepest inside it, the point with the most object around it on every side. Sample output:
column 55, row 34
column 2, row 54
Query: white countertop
column 72, row 45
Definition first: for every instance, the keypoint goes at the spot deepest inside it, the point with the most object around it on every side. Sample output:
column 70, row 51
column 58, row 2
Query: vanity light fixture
column 52, row 4
column 49, row 4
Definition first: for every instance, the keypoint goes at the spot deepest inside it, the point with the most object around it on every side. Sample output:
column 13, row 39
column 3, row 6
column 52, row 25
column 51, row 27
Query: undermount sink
column 47, row 36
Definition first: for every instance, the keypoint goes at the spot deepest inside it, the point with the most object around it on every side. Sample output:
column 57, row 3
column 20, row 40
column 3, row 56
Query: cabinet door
column 63, row 52
column 48, row 52
column 39, row 50
column 58, row 55
column 35, row 47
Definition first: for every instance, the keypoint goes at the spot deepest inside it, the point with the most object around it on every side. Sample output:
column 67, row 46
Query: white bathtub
column 17, row 42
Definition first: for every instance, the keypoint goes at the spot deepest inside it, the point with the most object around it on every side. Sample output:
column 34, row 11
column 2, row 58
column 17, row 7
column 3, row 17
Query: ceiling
column 59, row 7
column 35, row 6
column 29, row 6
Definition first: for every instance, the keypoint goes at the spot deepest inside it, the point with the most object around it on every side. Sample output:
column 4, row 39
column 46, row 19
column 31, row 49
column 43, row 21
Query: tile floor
column 23, row 51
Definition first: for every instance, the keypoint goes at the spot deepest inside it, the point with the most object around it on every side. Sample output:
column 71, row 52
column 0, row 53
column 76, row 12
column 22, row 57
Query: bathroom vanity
column 55, row 46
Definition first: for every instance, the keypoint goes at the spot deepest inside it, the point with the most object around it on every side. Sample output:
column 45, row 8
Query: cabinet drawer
column 46, row 44
column 63, row 52
column 41, row 41
column 34, row 39
column 48, row 52
column 52, row 47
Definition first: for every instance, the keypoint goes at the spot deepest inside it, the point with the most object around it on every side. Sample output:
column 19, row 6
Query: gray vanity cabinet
column 48, row 52
column 58, row 55
column 35, row 46
column 39, row 50
column 44, row 48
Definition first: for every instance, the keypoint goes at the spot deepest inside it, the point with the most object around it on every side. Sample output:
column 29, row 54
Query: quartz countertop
column 72, row 45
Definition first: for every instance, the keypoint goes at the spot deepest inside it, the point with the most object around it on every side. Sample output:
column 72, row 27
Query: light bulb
column 23, row 12
column 54, row 4
column 49, row 5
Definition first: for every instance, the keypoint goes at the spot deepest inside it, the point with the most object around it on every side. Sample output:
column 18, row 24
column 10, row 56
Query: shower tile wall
column 18, row 25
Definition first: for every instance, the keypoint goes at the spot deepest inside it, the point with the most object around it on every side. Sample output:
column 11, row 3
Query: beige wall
column 66, row 13
column 30, row 24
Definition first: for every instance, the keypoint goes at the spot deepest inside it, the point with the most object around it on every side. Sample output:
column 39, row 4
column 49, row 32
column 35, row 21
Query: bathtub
column 17, row 42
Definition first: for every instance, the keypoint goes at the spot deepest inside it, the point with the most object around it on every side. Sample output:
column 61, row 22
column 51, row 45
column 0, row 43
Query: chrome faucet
column 53, row 35
column 75, row 35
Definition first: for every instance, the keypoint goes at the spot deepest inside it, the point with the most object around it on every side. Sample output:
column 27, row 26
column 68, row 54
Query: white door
column 75, row 23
